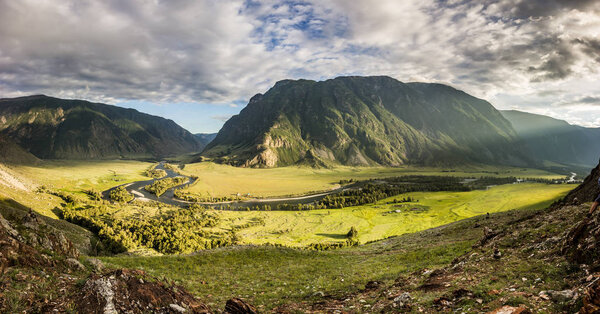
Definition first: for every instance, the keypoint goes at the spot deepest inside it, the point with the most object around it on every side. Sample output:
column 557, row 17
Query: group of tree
column 121, row 195
column 159, row 187
column 183, row 230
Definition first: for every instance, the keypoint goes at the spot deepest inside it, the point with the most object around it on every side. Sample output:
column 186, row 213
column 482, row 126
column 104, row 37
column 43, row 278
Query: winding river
column 138, row 191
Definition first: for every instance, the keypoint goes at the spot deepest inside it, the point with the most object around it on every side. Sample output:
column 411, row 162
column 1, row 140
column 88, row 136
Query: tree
column 352, row 234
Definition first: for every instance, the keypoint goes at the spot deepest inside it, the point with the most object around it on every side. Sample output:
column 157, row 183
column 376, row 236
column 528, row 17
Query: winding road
column 138, row 191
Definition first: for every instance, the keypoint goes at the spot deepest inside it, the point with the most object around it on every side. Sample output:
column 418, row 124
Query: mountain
column 556, row 140
column 75, row 129
column 205, row 138
column 363, row 121
column 10, row 152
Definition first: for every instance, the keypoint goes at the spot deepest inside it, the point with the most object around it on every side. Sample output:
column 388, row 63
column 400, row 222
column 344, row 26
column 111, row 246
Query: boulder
column 96, row 264
column 75, row 264
column 403, row 300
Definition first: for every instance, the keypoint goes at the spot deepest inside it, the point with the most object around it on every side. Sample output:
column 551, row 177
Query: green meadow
column 219, row 180
column 382, row 220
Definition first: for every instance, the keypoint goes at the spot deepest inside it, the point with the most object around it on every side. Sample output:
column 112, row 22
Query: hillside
column 205, row 138
column 364, row 121
column 10, row 152
column 556, row 140
column 52, row 128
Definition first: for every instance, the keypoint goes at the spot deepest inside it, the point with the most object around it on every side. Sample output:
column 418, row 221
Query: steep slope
column 205, row 138
column 74, row 129
column 556, row 140
column 10, row 152
column 364, row 121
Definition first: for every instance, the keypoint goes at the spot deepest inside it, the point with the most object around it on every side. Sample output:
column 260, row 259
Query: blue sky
column 199, row 62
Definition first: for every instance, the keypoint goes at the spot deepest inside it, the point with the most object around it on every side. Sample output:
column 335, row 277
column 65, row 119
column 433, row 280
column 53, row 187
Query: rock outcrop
column 132, row 291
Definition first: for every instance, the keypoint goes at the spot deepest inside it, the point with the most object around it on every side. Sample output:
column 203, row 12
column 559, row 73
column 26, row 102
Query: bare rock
column 497, row 253
column 9, row 229
column 507, row 309
column 582, row 243
column 177, row 308
column 239, row 306
column 125, row 291
column 488, row 234
column 591, row 298
column 403, row 300
column 75, row 264
column 96, row 264
column 561, row 296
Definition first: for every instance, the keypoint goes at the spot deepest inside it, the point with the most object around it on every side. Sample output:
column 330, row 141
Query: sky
column 199, row 62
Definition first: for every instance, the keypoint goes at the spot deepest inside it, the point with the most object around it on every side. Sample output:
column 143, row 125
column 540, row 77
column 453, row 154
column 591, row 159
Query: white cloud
column 222, row 51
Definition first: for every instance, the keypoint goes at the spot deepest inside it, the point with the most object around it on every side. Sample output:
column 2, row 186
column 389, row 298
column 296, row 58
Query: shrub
column 120, row 194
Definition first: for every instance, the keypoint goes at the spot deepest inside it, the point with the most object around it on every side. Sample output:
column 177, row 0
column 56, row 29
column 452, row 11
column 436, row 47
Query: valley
column 286, row 218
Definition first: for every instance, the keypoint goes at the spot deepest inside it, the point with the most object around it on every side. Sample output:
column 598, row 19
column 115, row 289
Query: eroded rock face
column 239, row 306
column 41, row 235
column 13, row 251
column 131, row 291
column 582, row 242
column 591, row 298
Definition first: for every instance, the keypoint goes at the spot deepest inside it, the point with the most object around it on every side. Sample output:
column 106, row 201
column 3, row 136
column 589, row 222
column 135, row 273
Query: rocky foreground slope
column 41, row 271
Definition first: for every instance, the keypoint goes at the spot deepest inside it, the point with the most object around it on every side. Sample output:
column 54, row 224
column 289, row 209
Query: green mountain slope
column 364, row 121
column 205, row 138
column 74, row 129
column 10, row 152
column 556, row 140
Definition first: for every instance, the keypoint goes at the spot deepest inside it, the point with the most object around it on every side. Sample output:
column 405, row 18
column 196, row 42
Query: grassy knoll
column 221, row 180
column 377, row 221
column 76, row 176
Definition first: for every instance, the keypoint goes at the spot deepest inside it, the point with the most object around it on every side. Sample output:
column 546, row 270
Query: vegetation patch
column 159, row 187
column 120, row 194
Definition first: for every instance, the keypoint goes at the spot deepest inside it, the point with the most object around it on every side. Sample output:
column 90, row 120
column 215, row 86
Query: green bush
column 120, row 194
column 159, row 187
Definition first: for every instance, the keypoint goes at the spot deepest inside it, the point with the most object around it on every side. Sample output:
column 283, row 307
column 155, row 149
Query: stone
column 177, row 308
column 561, row 296
column 96, row 264
column 75, row 264
column 403, row 300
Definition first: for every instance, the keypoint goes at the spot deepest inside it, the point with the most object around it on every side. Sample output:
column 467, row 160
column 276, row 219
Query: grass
column 218, row 180
column 76, row 176
column 378, row 221
column 270, row 276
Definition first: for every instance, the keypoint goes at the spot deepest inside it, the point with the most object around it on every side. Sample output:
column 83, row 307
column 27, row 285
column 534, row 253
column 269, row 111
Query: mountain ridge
column 556, row 140
column 364, row 121
column 54, row 128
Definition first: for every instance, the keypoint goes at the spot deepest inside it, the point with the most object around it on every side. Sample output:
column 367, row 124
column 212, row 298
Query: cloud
column 222, row 118
column 224, row 52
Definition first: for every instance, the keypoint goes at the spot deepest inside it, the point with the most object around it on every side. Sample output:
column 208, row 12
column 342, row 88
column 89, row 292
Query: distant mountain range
column 356, row 121
column 555, row 140
column 366, row 121
column 52, row 128
column 205, row 138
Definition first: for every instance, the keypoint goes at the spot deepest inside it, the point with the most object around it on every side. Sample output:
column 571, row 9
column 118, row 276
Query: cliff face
column 364, row 121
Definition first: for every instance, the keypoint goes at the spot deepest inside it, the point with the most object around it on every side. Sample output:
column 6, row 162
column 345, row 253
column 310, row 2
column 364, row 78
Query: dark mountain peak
column 354, row 120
